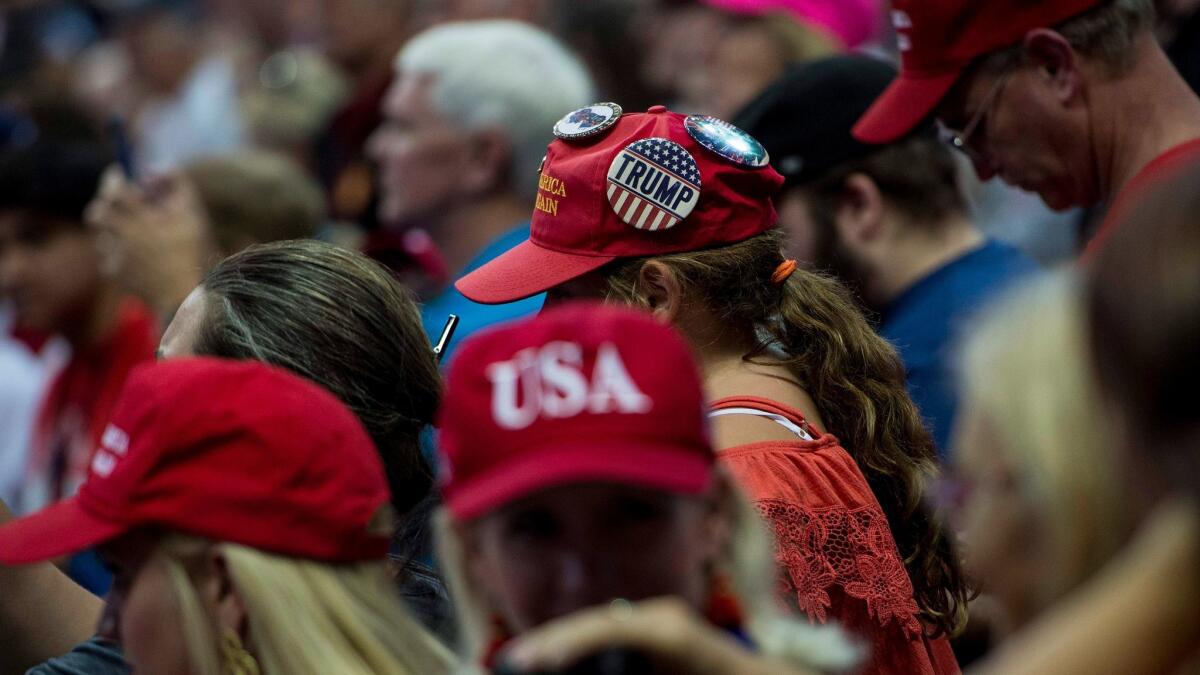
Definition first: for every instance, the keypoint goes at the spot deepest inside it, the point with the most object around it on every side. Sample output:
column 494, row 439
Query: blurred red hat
column 620, row 185
column 852, row 22
column 582, row 392
column 938, row 39
column 228, row 450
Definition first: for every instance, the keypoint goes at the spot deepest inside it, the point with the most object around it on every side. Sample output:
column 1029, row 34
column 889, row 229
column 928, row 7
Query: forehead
column 410, row 96
column 179, row 339
column 582, row 498
column 131, row 549
column 24, row 224
column 963, row 97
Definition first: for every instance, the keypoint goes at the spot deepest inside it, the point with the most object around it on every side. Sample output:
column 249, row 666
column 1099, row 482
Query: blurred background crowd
column 144, row 141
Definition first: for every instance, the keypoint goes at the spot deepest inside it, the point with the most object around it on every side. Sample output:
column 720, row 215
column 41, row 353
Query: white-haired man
column 466, row 123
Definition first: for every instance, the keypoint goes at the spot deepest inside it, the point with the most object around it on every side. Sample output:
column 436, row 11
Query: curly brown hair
column 812, row 326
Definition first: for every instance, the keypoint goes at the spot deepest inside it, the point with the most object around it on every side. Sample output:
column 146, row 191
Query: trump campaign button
column 587, row 121
column 726, row 140
column 653, row 184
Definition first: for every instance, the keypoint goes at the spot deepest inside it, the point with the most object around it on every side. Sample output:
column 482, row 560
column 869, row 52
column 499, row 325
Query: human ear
column 1055, row 62
column 489, row 154
column 219, row 592
column 662, row 289
column 860, row 210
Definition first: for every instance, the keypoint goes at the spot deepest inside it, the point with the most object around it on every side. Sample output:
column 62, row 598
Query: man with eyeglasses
column 1071, row 99
column 889, row 220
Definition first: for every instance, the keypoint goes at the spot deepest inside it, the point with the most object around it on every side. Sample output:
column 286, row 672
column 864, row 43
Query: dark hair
column 52, row 179
column 341, row 320
column 1107, row 32
column 856, row 379
column 1143, row 303
column 918, row 175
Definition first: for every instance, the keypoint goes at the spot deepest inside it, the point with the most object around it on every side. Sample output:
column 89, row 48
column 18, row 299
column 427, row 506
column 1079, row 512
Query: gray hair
column 1106, row 32
column 505, row 74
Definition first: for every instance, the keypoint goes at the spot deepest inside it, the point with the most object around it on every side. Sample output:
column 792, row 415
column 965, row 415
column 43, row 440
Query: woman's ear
column 663, row 291
column 220, row 593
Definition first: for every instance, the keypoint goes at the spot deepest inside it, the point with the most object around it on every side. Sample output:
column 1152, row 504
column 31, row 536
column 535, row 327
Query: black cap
column 804, row 118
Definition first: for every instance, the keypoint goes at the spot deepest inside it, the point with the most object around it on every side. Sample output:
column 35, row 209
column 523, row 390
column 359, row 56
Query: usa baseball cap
column 616, row 185
column 232, row 451
column 579, row 393
column 829, row 95
column 938, row 39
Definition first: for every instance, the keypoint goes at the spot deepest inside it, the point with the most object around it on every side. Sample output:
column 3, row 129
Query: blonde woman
column 245, row 514
column 579, row 474
column 1040, row 505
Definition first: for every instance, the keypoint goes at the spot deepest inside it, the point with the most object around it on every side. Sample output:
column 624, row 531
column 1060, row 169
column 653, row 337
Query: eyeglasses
column 962, row 139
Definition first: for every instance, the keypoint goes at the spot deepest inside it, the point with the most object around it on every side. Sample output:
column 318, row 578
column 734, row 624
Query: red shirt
column 834, row 547
column 78, row 404
column 1160, row 167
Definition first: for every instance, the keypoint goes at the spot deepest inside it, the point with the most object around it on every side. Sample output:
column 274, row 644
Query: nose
column 582, row 580
column 373, row 144
column 573, row 576
column 12, row 269
column 109, row 627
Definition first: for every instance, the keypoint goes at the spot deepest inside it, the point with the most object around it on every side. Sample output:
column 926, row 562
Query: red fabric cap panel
column 579, row 212
column 938, row 39
column 233, row 451
column 579, row 393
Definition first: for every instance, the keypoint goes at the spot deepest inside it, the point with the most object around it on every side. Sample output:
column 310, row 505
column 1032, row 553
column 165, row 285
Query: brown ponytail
column 812, row 325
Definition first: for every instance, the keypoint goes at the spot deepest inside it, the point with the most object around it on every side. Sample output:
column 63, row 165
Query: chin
column 1057, row 201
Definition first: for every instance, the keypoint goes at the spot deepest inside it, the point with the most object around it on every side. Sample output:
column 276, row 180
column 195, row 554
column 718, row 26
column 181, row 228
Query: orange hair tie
column 782, row 272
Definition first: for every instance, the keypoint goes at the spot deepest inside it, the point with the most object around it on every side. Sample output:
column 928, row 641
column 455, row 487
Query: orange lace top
column 835, row 551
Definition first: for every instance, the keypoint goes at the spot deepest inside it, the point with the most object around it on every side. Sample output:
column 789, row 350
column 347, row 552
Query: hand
column 154, row 238
column 666, row 630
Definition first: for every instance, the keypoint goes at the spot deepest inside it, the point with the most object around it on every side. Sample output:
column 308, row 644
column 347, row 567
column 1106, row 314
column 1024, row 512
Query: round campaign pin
column 587, row 121
column 653, row 184
column 726, row 140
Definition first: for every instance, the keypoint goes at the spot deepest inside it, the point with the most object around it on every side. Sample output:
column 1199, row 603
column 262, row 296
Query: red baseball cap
column 233, row 451
column 617, row 185
column 938, row 39
column 581, row 392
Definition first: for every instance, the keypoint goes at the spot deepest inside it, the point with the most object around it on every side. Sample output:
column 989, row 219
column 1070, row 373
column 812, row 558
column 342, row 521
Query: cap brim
column 649, row 464
column 903, row 106
column 524, row 270
column 55, row 531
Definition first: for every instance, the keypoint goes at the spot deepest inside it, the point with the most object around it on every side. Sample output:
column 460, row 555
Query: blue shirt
column 924, row 321
column 472, row 315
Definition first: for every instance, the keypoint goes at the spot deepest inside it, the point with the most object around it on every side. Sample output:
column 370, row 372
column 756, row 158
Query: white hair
column 503, row 74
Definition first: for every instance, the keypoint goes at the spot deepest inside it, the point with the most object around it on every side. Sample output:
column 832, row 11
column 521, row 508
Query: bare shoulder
column 730, row 431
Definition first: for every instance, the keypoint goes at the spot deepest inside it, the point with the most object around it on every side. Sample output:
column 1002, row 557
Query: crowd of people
column 752, row 367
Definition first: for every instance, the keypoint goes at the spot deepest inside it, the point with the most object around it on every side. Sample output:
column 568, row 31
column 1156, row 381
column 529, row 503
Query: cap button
column 656, row 109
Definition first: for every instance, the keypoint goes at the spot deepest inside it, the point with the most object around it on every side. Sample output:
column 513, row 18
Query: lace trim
column 818, row 549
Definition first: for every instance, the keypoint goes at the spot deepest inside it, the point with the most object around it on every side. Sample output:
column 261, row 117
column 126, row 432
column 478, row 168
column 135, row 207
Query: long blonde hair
column 305, row 617
column 1025, row 369
column 748, row 562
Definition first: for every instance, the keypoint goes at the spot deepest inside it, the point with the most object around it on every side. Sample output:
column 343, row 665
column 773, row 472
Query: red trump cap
column 938, row 39
column 582, row 392
column 617, row 185
column 229, row 450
